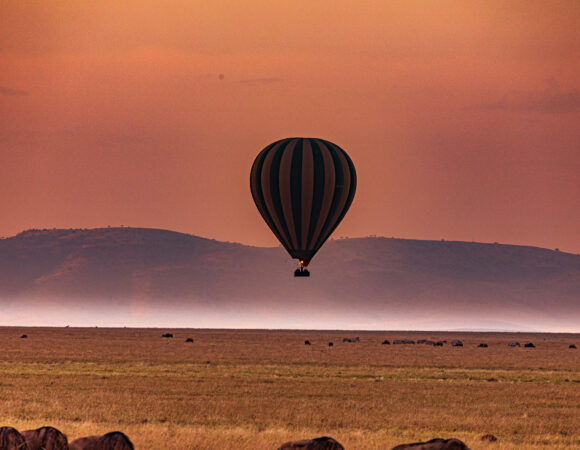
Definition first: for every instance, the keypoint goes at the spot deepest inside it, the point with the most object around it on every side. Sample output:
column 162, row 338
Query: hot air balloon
column 302, row 187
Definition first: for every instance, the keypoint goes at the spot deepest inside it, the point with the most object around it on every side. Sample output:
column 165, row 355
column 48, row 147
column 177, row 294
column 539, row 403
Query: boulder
column 321, row 443
column 45, row 438
column 11, row 439
column 434, row 444
column 115, row 440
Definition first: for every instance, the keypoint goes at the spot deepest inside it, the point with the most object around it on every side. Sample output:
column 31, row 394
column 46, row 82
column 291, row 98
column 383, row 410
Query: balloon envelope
column 303, row 187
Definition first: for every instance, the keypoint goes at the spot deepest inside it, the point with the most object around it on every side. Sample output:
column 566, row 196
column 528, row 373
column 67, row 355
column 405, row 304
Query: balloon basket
column 302, row 272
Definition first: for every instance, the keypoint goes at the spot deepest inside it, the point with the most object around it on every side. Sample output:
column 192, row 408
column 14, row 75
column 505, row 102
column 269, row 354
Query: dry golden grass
column 258, row 389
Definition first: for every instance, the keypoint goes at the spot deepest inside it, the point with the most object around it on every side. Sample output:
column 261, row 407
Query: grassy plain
column 258, row 389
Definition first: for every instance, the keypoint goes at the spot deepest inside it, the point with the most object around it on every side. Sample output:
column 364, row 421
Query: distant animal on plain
column 330, row 344
column 24, row 336
column 321, row 443
column 488, row 438
column 403, row 341
column 167, row 335
column 514, row 344
column 356, row 339
column 45, row 438
column 456, row 343
column 439, row 343
column 529, row 345
column 114, row 440
column 306, row 342
column 189, row 340
column 482, row 345
column 434, row 444
column 572, row 346
column 11, row 439
column 386, row 342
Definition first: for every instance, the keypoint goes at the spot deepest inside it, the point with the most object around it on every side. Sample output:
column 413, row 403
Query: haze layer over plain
column 461, row 117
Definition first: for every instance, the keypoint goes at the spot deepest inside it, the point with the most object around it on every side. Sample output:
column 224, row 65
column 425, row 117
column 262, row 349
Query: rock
column 11, row 439
column 116, row 440
column 45, row 438
column 321, row 443
column 434, row 444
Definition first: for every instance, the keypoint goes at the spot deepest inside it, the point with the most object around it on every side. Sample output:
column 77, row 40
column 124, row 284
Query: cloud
column 99, row 136
column 13, row 92
column 267, row 80
column 550, row 100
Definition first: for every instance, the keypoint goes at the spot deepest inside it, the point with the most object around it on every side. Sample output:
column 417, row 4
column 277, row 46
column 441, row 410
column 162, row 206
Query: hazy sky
column 462, row 117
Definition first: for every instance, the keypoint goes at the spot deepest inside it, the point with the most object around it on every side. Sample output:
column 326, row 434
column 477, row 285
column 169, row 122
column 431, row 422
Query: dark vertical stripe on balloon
column 285, row 184
column 344, row 195
column 352, row 175
column 275, row 191
column 307, row 190
column 328, row 190
column 353, row 179
column 318, row 190
column 266, row 191
column 257, row 193
column 338, row 187
column 296, row 190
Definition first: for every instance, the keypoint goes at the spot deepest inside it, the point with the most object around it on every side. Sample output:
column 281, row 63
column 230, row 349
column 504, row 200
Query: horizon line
column 340, row 238
column 329, row 330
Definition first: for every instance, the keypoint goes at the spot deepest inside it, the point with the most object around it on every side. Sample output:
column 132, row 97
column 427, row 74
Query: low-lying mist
column 316, row 317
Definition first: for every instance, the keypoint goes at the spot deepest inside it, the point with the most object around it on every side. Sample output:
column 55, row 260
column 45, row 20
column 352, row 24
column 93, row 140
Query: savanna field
column 259, row 389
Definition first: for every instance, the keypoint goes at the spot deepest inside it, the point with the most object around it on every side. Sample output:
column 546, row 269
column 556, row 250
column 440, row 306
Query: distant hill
column 368, row 279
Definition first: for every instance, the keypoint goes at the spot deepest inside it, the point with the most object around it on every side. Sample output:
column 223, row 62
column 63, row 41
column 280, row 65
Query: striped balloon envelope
column 303, row 187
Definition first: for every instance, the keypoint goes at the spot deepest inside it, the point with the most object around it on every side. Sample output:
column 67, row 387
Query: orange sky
column 462, row 118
